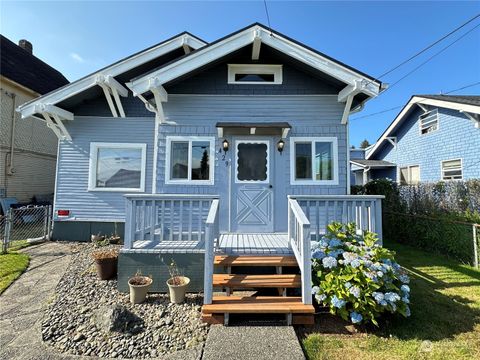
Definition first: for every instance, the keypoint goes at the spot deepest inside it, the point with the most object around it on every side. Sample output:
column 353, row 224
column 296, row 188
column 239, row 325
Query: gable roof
column 467, row 104
column 358, row 81
column 26, row 69
column 115, row 69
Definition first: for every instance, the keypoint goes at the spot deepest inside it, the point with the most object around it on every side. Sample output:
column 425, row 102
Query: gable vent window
column 452, row 169
column 428, row 122
column 255, row 74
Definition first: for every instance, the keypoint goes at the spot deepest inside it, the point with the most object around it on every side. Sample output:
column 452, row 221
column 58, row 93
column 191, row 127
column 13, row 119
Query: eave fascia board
column 54, row 110
column 215, row 51
column 116, row 69
column 474, row 109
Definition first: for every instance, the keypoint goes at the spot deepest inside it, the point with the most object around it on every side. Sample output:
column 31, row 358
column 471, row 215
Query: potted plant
column 139, row 286
column 106, row 263
column 177, row 284
column 114, row 238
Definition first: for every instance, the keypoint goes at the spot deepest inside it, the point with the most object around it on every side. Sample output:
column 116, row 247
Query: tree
column 364, row 144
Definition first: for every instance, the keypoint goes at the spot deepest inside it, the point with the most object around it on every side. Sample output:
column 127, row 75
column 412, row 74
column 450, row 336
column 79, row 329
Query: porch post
column 378, row 220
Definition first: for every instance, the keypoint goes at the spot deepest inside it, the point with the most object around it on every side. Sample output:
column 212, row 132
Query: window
column 117, row 167
column 189, row 160
column 452, row 169
column 255, row 74
column 410, row 175
column 428, row 122
column 314, row 161
column 252, row 161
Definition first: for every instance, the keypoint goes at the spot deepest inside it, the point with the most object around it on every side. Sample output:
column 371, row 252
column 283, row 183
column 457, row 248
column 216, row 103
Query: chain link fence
column 29, row 223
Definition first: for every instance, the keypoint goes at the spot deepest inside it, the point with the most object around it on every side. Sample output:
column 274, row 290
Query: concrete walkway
column 23, row 303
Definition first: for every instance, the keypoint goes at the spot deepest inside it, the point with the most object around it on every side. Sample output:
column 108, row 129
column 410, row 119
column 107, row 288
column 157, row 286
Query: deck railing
column 163, row 217
column 299, row 237
column 364, row 210
column 212, row 234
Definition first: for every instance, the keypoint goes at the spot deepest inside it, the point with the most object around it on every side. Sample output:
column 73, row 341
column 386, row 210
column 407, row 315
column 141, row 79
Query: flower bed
column 356, row 278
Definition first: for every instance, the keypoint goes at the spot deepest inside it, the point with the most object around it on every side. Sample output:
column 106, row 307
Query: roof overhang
column 253, row 128
column 105, row 76
column 471, row 111
column 372, row 164
column 355, row 81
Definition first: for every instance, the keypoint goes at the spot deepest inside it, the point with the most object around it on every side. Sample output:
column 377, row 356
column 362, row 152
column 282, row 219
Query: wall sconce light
column 280, row 145
column 225, row 145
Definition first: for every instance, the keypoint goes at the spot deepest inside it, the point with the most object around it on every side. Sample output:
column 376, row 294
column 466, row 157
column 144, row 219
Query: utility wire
column 398, row 107
column 268, row 16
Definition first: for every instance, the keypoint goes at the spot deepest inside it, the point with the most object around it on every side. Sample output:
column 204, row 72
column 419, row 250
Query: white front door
column 252, row 186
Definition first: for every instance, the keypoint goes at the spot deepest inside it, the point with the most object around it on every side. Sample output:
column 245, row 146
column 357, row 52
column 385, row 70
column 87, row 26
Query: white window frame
column 92, row 170
column 442, row 170
column 189, row 180
column 275, row 70
column 313, row 140
column 399, row 174
column 424, row 115
column 267, row 180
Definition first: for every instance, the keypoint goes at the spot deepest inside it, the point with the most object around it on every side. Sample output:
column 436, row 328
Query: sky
column 79, row 37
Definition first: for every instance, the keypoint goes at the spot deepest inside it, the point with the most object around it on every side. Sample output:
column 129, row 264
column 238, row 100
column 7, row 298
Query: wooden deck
column 229, row 244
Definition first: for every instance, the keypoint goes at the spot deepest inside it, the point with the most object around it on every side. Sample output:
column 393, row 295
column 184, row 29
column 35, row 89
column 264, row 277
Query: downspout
column 10, row 170
column 365, row 175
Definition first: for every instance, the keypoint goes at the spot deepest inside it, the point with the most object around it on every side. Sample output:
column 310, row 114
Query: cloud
column 77, row 57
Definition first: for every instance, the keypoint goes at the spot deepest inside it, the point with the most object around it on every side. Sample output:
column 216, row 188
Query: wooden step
column 257, row 281
column 260, row 304
column 226, row 260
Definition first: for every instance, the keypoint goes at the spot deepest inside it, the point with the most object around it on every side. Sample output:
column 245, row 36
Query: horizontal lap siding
column 73, row 167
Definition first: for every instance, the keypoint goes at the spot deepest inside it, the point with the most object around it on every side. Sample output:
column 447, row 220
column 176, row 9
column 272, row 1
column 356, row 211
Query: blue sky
column 79, row 37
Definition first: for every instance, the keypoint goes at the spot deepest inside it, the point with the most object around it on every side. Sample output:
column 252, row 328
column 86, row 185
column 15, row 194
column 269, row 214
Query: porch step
column 255, row 305
column 225, row 260
column 257, row 281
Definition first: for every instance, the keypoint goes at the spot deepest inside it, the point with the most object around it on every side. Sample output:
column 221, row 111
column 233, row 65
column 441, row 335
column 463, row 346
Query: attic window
column 255, row 74
column 428, row 122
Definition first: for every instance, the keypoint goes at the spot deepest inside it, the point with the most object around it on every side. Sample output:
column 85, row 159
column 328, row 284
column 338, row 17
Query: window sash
column 409, row 175
column 428, row 122
column 236, row 73
column 452, row 169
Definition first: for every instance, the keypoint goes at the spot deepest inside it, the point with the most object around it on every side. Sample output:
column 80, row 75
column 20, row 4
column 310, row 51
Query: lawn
column 12, row 264
column 445, row 321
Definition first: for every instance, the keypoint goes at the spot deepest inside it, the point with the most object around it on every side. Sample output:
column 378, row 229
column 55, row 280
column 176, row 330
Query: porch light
column 225, row 145
column 280, row 145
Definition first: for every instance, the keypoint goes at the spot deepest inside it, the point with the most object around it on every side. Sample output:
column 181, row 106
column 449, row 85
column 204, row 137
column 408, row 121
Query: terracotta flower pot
column 177, row 292
column 106, row 268
column 139, row 286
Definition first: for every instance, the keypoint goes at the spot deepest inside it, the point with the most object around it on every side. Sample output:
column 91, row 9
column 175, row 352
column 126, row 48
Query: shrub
column 356, row 278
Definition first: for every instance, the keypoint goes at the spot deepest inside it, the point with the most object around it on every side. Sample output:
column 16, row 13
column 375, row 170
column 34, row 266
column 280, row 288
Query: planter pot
column 106, row 268
column 139, row 286
column 177, row 292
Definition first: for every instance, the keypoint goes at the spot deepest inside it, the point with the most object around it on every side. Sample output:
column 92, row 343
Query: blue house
column 224, row 153
column 434, row 138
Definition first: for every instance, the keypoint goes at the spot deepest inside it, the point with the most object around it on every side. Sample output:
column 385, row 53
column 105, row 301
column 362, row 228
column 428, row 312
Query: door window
column 252, row 162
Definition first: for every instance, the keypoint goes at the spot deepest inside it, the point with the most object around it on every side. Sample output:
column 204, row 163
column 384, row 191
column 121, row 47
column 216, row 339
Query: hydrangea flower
column 405, row 289
column 318, row 254
column 355, row 291
column 404, row 278
column 314, row 245
column 371, row 275
column 380, row 273
column 392, row 297
column 338, row 303
column 315, row 289
column 348, row 285
column 329, row 262
column 355, row 263
column 349, row 257
column 408, row 312
column 335, row 253
column 323, row 243
column 406, row 300
column 356, row 317
column 334, row 243
column 378, row 296
column 320, row 297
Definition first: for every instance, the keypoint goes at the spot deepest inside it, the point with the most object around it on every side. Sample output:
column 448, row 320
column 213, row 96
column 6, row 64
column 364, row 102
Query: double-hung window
column 117, row 167
column 410, row 175
column 428, row 122
column 190, row 160
column 452, row 169
column 314, row 161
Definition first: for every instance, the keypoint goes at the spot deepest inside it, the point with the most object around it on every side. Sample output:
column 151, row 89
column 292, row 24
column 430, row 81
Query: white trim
column 442, row 170
column 312, row 140
column 235, row 169
column 243, row 38
column 155, row 156
column 118, row 68
column 92, row 172
column 55, row 193
column 275, row 70
column 349, row 166
column 435, row 119
column 474, row 109
column 189, row 139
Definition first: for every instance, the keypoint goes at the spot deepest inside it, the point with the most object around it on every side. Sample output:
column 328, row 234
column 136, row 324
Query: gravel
column 158, row 327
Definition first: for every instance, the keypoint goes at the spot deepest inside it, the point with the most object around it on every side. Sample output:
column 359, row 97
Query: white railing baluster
column 153, row 221
column 211, row 233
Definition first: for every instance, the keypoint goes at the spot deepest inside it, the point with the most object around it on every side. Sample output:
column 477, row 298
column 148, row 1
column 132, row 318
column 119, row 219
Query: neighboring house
column 433, row 138
column 28, row 149
column 198, row 149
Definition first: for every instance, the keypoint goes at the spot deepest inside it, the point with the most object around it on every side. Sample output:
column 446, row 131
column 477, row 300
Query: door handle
column 270, row 186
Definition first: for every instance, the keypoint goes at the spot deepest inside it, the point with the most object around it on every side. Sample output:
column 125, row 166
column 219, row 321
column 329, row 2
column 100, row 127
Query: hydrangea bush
column 356, row 278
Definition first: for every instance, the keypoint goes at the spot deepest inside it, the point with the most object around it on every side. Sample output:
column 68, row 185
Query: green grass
column 445, row 321
column 12, row 265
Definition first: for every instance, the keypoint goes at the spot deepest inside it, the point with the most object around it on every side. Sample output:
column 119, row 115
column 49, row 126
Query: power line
column 398, row 107
column 429, row 46
column 268, row 17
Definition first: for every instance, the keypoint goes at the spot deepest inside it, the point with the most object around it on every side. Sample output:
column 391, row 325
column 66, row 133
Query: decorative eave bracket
column 474, row 117
column 54, row 116
column 392, row 140
column 347, row 94
column 160, row 96
column 112, row 90
column 257, row 43
column 423, row 107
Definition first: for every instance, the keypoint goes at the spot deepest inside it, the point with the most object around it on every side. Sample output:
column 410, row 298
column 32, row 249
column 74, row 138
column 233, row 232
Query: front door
column 252, row 186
